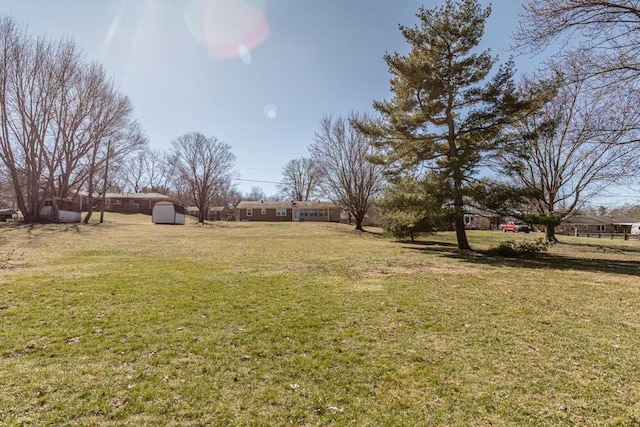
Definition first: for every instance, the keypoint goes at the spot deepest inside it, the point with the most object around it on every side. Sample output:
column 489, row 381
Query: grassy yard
column 130, row 323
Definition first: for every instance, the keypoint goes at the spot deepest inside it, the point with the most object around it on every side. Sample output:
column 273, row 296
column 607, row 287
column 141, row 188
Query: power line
column 255, row 180
column 267, row 151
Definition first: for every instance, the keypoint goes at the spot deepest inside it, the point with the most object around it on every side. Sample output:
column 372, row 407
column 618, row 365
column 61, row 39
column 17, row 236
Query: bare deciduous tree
column 256, row 193
column 609, row 30
column 583, row 139
column 146, row 170
column 205, row 166
column 25, row 111
column 340, row 154
column 130, row 175
column 113, row 133
column 57, row 115
column 299, row 180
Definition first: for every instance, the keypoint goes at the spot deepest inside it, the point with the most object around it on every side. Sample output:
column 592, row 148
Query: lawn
column 130, row 323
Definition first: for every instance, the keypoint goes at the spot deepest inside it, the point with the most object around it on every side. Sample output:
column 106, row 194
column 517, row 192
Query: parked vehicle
column 635, row 228
column 514, row 227
column 6, row 214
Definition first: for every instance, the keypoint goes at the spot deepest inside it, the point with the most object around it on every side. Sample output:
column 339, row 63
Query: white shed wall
column 68, row 216
column 165, row 213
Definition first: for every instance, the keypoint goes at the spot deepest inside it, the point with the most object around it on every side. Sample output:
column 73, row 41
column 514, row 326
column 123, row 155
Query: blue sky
column 181, row 64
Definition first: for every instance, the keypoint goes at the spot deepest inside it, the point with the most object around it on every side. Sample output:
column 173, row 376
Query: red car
column 515, row 227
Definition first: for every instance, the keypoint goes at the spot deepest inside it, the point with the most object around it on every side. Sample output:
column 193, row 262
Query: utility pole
column 104, row 185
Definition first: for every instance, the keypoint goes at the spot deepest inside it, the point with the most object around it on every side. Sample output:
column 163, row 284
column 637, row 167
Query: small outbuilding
column 166, row 212
column 59, row 211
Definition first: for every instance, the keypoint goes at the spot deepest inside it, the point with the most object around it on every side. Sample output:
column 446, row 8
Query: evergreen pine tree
column 448, row 109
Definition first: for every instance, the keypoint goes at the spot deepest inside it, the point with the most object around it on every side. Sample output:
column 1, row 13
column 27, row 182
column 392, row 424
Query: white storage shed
column 167, row 213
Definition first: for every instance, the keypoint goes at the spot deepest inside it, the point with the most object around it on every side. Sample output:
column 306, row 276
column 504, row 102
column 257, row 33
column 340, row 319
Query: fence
column 611, row 236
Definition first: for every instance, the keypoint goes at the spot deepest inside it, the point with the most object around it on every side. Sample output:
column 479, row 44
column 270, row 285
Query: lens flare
column 229, row 28
column 245, row 54
column 270, row 111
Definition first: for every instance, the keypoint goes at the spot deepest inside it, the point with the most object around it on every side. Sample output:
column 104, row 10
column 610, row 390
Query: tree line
column 460, row 130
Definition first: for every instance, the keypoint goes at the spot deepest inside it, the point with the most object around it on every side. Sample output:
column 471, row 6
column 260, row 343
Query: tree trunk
column 359, row 221
column 458, row 218
column 87, row 217
column 89, row 199
column 461, row 233
column 550, row 234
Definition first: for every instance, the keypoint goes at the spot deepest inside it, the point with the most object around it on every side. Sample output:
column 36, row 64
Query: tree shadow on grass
column 598, row 263
column 603, row 247
column 430, row 247
column 42, row 228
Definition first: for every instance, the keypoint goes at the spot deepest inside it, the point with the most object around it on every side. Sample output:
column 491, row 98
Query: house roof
column 599, row 220
column 136, row 196
column 472, row 210
column 176, row 205
column 213, row 209
column 247, row 204
column 130, row 195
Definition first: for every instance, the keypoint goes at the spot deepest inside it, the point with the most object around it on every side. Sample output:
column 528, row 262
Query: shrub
column 523, row 249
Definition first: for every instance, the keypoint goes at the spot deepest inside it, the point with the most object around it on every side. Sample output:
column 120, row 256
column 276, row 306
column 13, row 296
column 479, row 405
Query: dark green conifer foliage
column 411, row 206
column 449, row 104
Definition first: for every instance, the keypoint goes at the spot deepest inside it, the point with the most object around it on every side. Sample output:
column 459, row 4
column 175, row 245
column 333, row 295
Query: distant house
column 594, row 224
column 124, row 202
column 165, row 212
column 216, row 213
column 219, row 213
column 192, row 210
column 287, row 211
column 478, row 219
column 7, row 213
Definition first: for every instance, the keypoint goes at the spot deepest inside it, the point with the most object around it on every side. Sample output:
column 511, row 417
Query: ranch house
column 124, row 202
column 287, row 211
column 594, row 224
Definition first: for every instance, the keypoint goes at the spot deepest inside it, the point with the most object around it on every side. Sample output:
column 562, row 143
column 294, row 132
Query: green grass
column 130, row 323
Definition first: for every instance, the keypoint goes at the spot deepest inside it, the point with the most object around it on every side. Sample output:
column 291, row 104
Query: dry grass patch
column 127, row 323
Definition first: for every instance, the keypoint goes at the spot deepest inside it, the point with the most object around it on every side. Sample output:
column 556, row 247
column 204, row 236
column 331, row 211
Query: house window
column 117, row 202
column 48, row 202
column 249, row 212
column 281, row 212
column 601, row 228
column 107, row 202
column 263, row 211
